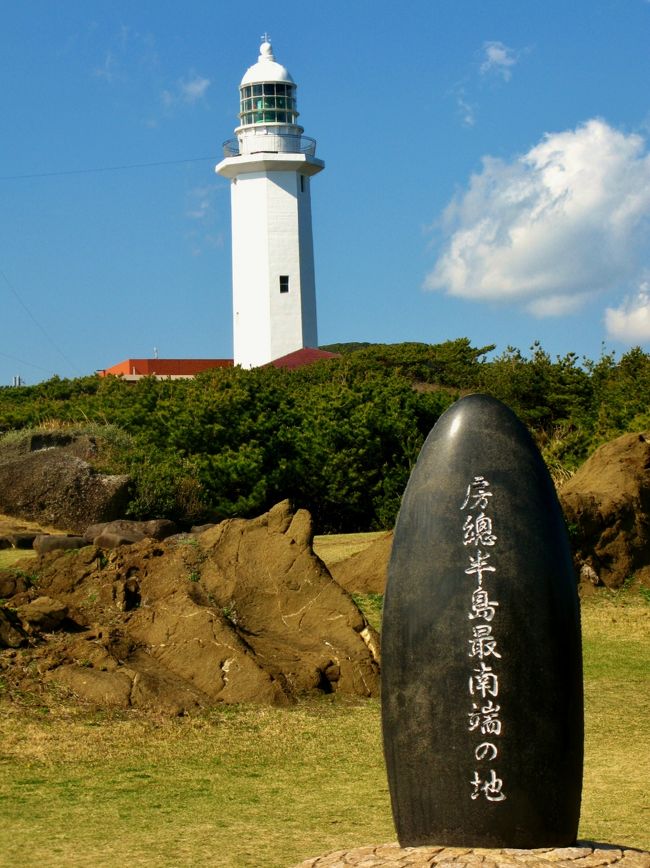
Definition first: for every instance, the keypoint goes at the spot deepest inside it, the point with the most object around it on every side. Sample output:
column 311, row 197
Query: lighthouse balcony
column 269, row 143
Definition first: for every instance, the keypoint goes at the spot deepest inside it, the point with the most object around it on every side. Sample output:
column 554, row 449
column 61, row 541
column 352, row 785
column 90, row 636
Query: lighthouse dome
column 266, row 68
column 267, row 104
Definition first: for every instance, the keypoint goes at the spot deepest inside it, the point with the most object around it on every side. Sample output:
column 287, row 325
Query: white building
column 270, row 165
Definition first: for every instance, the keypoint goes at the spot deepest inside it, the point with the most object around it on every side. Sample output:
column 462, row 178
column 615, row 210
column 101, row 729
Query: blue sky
column 487, row 173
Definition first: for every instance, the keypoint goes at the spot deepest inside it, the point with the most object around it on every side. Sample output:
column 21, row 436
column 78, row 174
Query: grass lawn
column 269, row 787
column 16, row 558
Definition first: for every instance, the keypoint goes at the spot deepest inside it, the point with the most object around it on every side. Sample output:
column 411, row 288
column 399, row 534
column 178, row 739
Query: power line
column 97, row 169
column 36, row 322
column 25, row 362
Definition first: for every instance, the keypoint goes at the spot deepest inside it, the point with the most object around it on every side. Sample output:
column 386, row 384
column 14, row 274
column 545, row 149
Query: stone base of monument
column 586, row 854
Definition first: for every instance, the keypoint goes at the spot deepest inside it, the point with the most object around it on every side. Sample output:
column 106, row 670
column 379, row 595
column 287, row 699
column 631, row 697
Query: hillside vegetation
column 338, row 437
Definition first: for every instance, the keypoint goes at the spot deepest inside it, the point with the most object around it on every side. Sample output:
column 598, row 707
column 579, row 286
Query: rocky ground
column 583, row 855
column 130, row 614
column 49, row 478
column 240, row 612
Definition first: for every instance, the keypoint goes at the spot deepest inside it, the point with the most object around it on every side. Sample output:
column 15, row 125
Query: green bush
column 338, row 437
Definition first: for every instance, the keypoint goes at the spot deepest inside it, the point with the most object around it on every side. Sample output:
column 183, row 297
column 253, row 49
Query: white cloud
column 187, row 90
column 498, row 59
column 202, row 209
column 465, row 108
column 201, row 202
column 556, row 305
column 127, row 55
column 108, row 70
column 194, row 89
column 551, row 228
column 630, row 323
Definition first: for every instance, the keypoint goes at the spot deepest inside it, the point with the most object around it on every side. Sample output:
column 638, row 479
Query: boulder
column 365, row 572
column 104, row 689
column 47, row 478
column 13, row 582
column 280, row 597
column 16, row 534
column 12, row 634
column 22, row 539
column 43, row 613
column 243, row 612
column 107, row 535
column 607, row 508
column 46, row 542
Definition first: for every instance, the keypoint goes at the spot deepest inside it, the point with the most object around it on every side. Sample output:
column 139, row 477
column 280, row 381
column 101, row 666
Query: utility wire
column 60, row 174
column 103, row 169
column 25, row 362
column 37, row 323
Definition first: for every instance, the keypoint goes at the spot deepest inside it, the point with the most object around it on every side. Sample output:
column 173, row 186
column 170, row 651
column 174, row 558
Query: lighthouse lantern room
column 270, row 164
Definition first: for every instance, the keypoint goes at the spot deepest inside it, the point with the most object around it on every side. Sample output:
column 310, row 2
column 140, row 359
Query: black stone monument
column 482, row 707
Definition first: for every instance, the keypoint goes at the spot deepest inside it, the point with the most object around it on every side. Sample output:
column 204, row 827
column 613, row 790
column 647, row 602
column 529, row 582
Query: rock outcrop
column 606, row 504
column 607, row 508
column 50, row 542
column 112, row 534
column 365, row 572
column 48, row 478
column 243, row 612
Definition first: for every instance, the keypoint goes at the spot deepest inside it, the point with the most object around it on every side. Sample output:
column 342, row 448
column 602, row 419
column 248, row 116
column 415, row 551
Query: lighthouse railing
column 270, row 144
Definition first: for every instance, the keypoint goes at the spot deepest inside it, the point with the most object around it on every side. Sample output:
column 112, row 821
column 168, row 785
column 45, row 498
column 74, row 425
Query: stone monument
column 482, row 706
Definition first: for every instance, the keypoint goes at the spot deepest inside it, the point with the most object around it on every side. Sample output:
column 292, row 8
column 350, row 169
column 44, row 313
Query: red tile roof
column 305, row 356
column 165, row 367
column 190, row 367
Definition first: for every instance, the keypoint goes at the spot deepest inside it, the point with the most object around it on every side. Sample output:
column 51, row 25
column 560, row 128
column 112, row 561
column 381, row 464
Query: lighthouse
column 270, row 164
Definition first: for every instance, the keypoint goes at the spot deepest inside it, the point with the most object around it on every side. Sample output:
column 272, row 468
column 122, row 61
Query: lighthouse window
column 284, row 283
column 268, row 103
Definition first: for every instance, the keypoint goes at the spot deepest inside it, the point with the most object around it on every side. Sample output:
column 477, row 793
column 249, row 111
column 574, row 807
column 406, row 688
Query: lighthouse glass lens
column 268, row 102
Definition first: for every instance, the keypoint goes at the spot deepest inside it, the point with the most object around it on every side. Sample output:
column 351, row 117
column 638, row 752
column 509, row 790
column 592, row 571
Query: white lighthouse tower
column 270, row 165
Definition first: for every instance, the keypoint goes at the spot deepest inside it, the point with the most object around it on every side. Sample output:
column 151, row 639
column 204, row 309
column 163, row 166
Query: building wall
column 164, row 367
column 271, row 236
column 307, row 269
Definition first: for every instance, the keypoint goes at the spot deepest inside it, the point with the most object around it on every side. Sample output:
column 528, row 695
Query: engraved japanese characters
column 481, row 657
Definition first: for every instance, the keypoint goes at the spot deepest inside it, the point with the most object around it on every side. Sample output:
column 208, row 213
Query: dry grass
column 268, row 787
column 616, row 793
column 16, row 557
column 8, row 523
column 336, row 547
column 20, row 557
column 238, row 787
